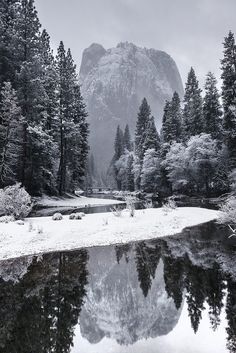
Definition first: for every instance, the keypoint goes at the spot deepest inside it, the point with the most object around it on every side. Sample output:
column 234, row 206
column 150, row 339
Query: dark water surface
column 171, row 295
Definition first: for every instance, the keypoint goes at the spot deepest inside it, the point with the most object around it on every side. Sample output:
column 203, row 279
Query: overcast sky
column 191, row 31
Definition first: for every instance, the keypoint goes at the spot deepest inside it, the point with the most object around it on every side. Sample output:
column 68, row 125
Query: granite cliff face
column 115, row 81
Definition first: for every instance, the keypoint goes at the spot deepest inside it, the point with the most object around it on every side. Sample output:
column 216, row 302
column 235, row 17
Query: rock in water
column 113, row 84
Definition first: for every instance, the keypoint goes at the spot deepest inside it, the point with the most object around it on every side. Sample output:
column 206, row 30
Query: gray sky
column 191, row 31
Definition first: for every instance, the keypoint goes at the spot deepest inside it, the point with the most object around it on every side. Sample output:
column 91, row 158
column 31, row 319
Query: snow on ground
column 75, row 201
column 95, row 230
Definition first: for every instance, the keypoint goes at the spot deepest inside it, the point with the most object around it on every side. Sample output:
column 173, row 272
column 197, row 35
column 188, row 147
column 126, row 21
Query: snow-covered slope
column 115, row 81
column 124, row 315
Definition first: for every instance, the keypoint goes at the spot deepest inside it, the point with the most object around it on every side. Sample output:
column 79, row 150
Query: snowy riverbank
column 39, row 235
column 75, row 201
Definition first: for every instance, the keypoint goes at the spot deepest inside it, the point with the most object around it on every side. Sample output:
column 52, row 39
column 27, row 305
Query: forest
column 43, row 119
column 44, row 129
column 195, row 152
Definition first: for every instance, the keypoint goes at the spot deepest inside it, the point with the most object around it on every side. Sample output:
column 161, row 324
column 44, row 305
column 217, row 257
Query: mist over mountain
column 113, row 84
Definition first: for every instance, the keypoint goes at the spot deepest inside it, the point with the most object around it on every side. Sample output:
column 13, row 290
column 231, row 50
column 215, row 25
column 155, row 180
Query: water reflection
column 127, row 294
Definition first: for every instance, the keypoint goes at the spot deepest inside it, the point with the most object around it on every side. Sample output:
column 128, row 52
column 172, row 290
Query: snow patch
column 96, row 230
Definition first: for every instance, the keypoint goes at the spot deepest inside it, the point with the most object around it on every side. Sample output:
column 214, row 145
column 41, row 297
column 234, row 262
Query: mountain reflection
column 125, row 293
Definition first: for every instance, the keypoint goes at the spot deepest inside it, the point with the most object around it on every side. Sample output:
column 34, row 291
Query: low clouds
column 191, row 31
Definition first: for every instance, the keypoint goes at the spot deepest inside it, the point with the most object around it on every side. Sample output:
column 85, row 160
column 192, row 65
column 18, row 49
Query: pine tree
column 119, row 150
column 212, row 109
column 10, row 136
column 141, row 125
column 172, row 120
column 176, row 118
column 127, row 139
column 192, row 114
column 130, row 173
column 77, row 144
column 166, row 123
column 9, row 11
column 119, row 143
column 152, row 138
column 229, row 96
column 32, row 97
column 73, row 127
column 50, row 82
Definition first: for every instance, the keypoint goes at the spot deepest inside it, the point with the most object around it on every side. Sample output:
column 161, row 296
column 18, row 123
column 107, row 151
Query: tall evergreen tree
column 192, row 113
column 229, row 95
column 73, row 127
column 119, row 150
column 152, row 138
column 166, row 122
column 141, row 125
column 32, row 97
column 119, row 143
column 172, row 120
column 9, row 11
column 130, row 173
column 127, row 139
column 212, row 109
column 10, row 136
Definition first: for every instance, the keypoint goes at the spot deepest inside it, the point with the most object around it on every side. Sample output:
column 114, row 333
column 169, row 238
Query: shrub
column 228, row 212
column 75, row 216
column 117, row 211
column 170, row 205
column 15, row 201
column 57, row 217
column 6, row 219
column 130, row 203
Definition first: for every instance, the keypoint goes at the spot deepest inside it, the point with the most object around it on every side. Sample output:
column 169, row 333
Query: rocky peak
column 115, row 81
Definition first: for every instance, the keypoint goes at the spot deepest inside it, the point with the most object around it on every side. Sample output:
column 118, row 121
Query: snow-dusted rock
column 115, row 81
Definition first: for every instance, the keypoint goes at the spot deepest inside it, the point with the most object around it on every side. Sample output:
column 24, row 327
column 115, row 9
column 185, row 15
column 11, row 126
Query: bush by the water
column 15, row 201
column 228, row 211
column 57, row 217
column 75, row 216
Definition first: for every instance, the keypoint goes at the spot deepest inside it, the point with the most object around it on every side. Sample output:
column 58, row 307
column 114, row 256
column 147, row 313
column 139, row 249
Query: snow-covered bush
column 228, row 212
column 130, row 204
column 117, row 211
column 75, row 216
column 15, row 201
column 151, row 171
column 20, row 222
column 192, row 166
column 6, row 219
column 170, row 205
column 57, row 217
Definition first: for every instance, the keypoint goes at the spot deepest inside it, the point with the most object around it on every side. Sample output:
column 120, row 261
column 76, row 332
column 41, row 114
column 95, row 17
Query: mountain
column 115, row 306
column 114, row 82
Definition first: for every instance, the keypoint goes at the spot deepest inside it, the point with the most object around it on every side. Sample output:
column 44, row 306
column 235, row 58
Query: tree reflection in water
column 40, row 305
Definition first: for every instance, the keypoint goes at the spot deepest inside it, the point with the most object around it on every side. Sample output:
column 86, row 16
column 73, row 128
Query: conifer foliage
column 229, row 95
column 41, row 104
column 196, row 150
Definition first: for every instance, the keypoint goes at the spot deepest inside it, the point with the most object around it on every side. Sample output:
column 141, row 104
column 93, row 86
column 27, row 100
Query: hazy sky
column 191, row 31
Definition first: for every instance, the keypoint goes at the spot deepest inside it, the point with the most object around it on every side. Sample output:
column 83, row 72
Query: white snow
column 75, row 201
column 99, row 229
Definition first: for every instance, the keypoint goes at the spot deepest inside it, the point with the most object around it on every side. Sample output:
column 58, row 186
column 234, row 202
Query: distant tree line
column 43, row 126
column 196, row 150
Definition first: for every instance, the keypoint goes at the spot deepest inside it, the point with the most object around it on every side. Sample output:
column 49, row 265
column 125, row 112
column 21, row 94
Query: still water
column 172, row 295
